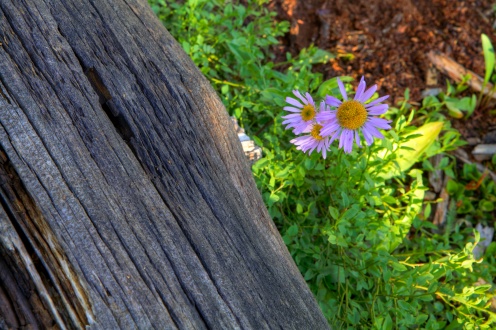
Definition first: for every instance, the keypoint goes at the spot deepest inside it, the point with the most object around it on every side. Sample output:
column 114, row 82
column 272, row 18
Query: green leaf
column 330, row 87
column 491, row 249
column 327, row 87
column 274, row 95
column 404, row 305
column 453, row 187
column 309, row 274
column 389, row 200
column 334, row 212
column 399, row 267
column 394, row 135
column 332, row 239
column 468, row 264
column 378, row 322
column 388, row 323
column 273, row 198
column 346, row 200
column 421, row 319
column 456, row 106
column 472, row 109
column 427, row 211
column 228, row 9
column 292, row 230
column 487, row 48
column 283, row 174
column 482, row 288
column 426, row 297
column 486, row 206
column 433, row 287
column 341, row 242
column 422, row 279
column 351, row 212
column 309, row 163
column 410, row 117
column 337, row 273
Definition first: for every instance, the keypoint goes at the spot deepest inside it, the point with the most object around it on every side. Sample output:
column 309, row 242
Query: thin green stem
column 369, row 153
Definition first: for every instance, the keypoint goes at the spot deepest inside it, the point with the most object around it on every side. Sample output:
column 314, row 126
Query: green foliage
column 474, row 193
column 456, row 105
column 360, row 238
column 231, row 44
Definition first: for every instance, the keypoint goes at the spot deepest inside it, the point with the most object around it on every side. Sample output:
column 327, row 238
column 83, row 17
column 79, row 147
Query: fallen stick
column 442, row 206
column 456, row 72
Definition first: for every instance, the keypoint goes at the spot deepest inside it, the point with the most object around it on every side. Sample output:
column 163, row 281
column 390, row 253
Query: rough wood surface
column 126, row 199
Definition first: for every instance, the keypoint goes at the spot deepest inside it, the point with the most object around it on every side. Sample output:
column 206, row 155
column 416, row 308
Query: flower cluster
column 336, row 119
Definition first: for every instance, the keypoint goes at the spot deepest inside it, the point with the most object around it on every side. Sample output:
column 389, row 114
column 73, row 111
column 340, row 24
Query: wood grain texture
column 124, row 178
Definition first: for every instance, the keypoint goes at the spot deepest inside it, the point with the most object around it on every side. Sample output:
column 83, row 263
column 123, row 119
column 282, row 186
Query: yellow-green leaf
column 488, row 50
column 415, row 147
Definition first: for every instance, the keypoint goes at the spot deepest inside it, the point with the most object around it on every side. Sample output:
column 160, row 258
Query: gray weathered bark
column 126, row 201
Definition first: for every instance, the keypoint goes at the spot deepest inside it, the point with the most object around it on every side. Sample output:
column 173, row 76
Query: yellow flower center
column 308, row 112
column 351, row 114
column 315, row 132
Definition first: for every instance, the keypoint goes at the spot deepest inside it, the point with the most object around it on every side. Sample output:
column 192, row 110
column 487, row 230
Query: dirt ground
column 389, row 40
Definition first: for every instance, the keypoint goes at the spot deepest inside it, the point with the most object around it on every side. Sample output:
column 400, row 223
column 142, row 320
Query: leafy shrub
column 355, row 223
column 231, row 44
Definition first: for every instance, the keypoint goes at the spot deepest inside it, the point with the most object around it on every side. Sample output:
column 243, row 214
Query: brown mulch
column 388, row 41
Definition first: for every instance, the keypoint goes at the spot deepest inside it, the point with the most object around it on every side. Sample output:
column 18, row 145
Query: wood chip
column 436, row 177
column 430, row 196
column 472, row 141
column 431, row 76
column 442, row 207
column 484, row 151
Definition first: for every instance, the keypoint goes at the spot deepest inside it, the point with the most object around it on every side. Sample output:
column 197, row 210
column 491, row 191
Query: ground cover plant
column 355, row 222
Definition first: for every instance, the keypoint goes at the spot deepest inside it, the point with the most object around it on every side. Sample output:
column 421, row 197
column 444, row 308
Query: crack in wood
column 97, row 84
column 15, row 302
column 25, row 234
column 106, row 101
column 120, row 123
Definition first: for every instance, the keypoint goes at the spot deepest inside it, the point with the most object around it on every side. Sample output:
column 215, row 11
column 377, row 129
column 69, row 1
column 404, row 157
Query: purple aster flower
column 350, row 117
column 315, row 140
column 302, row 114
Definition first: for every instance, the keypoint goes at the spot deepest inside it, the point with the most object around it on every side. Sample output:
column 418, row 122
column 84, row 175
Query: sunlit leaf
column 487, row 48
column 406, row 157
column 330, row 87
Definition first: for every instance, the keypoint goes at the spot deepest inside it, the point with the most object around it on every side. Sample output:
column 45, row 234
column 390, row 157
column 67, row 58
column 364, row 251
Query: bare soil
column 389, row 40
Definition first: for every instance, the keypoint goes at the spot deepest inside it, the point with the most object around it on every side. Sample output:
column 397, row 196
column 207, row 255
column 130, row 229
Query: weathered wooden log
column 126, row 199
column 456, row 72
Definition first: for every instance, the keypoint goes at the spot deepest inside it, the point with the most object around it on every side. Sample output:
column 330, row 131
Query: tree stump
column 126, row 199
